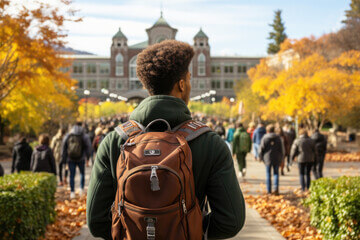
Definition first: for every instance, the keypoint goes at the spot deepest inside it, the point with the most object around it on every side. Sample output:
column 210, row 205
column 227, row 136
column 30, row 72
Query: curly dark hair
column 162, row 65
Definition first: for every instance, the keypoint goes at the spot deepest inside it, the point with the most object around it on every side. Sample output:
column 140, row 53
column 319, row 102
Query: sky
column 234, row 27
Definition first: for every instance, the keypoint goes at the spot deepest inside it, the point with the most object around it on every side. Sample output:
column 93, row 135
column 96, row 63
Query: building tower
column 160, row 31
column 119, row 61
column 201, row 61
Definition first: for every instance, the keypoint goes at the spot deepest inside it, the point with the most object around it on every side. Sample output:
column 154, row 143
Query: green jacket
column 213, row 169
column 241, row 142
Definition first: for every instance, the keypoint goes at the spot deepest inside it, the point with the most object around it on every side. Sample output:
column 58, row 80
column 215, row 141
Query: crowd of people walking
column 67, row 151
column 277, row 147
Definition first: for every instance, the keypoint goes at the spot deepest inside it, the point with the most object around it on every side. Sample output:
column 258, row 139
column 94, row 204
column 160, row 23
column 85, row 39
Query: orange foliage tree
column 32, row 84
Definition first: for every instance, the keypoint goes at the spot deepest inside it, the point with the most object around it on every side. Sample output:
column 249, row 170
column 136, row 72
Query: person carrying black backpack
column 75, row 150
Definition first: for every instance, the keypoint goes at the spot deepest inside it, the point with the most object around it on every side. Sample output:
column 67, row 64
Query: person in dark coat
column 290, row 135
column 271, row 152
column 286, row 147
column 21, row 156
column 304, row 149
column 258, row 134
column 42, row 159
column 320, row 151
column 76, row 142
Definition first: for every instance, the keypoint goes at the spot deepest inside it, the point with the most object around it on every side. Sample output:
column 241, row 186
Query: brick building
column 118, row 73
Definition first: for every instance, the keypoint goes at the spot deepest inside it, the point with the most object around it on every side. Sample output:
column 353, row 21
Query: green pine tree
column 278, row 34
column 353, row 15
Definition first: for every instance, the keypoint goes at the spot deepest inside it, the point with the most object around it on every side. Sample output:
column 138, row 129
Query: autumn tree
column 313, row 88
column 253, row 102
column 277, row 35
column 30, row 71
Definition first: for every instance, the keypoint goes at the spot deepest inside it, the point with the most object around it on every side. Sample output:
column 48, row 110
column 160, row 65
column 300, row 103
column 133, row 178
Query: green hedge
column 27, row 203
column 335, row 207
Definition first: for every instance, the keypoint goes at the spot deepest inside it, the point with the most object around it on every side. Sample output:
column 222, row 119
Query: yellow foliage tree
column 314, row 89
column 103, row 109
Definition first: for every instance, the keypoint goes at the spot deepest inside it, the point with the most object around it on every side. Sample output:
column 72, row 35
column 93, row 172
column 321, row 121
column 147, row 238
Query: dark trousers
column 275, row 168
column 305, row 175
column 61, row 166
column 72, row 168
column 318, row 167
column 241, row 159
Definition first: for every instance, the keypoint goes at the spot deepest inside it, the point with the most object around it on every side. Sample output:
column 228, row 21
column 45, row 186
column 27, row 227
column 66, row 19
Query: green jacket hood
column 172, row 109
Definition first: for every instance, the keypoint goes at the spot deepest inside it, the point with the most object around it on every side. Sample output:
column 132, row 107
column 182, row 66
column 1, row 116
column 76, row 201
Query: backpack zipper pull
column 184, row 206
column 154, row 181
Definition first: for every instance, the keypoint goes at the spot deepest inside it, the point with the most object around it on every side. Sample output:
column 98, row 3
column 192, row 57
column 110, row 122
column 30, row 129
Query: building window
column 201, row 84
column 105, row 83
column 77, row 68
column 119, row 44
column 119, row 85
column 242, row 69
column 201, row 64
column 80, row 83
column 104, row 68
column 228, row 69
column 215, row 84
column 119, row 65
column 91, row 68
column 134, row 81
column 201, row 44
column 229, row 84
column 215, row 69
column 91, row 84
column 64, row 69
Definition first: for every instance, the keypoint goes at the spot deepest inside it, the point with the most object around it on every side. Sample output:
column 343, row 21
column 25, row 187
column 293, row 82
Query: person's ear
column 181, row 85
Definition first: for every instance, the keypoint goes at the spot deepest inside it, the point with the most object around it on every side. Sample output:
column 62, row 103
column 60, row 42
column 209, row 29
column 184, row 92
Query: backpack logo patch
column 152, row 152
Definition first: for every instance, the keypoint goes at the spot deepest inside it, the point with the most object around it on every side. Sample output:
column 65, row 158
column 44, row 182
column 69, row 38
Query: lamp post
column 86, row 93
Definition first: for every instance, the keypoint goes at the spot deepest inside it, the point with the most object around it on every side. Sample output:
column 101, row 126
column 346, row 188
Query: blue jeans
column 72, row 168
column 256, row 150
column 268, row 177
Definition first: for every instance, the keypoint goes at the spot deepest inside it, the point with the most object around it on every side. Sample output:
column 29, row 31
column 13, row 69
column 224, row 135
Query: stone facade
column 118, row 73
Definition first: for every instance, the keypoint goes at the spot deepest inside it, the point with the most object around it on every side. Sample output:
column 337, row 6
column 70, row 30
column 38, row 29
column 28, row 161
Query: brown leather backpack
column 155, row 198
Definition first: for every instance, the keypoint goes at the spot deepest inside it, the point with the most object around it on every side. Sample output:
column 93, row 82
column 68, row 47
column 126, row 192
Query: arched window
column 134, row 81
column 119, row 69
column 201, row 64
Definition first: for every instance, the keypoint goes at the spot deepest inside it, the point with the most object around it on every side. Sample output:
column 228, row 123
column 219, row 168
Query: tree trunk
column 2, row 128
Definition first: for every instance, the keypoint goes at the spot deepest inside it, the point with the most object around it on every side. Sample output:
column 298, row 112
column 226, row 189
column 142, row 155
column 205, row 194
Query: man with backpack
column 154, row 172
column 76, row 149
column 241, row 147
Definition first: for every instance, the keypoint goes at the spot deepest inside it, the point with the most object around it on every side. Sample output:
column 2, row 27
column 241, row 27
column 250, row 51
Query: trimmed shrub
column 27, row 204
column 335, row 207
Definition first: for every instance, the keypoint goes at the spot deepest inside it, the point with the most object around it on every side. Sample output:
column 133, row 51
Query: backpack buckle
column 150, row 228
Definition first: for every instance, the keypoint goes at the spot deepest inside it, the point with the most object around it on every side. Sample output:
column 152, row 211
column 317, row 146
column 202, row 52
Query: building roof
column 201, row 34
column 161, row 21
column 139, row 45
column 119, row 34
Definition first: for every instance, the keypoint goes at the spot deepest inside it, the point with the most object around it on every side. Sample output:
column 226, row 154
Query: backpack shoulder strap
column 191, row 129
column 129, row 129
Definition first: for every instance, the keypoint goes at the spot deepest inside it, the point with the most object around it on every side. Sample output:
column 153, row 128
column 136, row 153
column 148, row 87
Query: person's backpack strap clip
column 129, row 129
column 191, row 129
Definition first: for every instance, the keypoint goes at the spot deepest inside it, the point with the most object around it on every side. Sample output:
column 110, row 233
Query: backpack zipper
column 147, row 212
